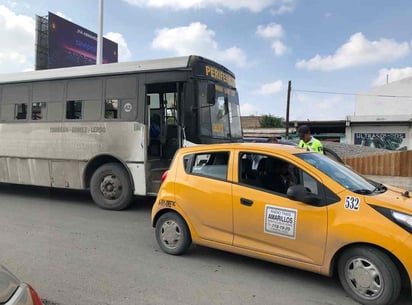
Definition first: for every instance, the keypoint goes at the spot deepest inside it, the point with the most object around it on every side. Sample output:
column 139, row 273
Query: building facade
column 383, row 117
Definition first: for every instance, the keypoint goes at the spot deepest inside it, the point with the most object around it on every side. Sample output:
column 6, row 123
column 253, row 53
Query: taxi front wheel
column 172, row 234
column 369, row 276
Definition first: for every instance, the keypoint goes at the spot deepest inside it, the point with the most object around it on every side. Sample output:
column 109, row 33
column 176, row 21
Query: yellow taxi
column 292, row 207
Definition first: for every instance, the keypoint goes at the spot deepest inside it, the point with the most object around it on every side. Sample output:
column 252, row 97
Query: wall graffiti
column 390, row 141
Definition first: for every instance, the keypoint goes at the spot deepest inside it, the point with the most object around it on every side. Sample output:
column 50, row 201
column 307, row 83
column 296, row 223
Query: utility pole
column 287, row 110
column 99, row 54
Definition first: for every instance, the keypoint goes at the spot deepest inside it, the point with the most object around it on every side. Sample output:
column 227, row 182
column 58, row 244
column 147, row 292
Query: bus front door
column 164, row 119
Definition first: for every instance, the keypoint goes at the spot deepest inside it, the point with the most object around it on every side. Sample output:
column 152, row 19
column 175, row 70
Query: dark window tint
column 20, row 111
column 74, row 110
column 267, row 172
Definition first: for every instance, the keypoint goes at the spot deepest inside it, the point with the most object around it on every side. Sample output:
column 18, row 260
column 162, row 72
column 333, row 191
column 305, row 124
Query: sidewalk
column 402, row 182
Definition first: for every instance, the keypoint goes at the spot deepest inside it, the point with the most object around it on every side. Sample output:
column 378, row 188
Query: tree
column 269, row 121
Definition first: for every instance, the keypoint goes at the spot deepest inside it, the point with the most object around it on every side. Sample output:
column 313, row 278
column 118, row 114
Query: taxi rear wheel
column 172, row 234
column 369, row 276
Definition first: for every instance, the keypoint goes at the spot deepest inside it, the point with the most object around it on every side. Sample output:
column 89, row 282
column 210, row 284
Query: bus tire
column 110, row 187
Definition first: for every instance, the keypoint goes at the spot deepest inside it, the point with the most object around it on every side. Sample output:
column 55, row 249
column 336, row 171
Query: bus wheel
column 110, row 187
column 369, row 276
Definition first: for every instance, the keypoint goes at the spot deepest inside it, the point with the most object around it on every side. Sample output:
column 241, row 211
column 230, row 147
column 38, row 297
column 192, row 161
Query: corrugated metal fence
column 388, row 164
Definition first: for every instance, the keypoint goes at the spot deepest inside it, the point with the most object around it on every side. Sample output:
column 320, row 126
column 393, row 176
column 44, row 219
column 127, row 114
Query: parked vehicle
column 15, row 292
column 283, row 204
column 112, row 128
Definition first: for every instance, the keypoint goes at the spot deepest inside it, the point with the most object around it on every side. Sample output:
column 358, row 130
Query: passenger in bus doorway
column 155, row 134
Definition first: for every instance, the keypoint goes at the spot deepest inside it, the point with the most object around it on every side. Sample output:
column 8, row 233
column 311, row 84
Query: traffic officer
column 308, row 141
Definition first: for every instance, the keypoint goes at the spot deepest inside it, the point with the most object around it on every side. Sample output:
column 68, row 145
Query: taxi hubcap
column 364, row 278
column 170, row 233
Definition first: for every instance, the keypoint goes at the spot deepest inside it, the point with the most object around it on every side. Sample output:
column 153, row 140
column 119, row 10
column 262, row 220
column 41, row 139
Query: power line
column 353, row 94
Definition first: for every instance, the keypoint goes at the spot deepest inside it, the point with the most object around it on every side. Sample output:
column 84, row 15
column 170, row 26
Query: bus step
column 154, row 187
column 157, row 173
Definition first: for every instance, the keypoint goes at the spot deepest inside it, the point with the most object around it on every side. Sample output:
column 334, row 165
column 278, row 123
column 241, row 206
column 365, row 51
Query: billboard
column 72, row 45
column 390, row 141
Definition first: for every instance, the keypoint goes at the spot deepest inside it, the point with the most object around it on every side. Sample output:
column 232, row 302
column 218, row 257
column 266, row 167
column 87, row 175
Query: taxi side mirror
column 301, row 193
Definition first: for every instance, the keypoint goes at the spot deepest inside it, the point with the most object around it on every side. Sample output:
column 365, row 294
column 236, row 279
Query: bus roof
column 96, row 70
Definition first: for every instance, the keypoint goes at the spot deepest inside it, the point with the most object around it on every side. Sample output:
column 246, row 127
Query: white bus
column 112, row 128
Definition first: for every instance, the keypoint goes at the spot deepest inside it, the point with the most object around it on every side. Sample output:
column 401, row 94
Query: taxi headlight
column 402, row 219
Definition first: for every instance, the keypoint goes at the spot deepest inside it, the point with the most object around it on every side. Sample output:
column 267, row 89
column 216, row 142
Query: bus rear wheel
column 110, row 187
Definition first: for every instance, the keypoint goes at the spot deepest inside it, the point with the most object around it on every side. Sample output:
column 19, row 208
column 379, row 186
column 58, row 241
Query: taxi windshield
column 342, row 174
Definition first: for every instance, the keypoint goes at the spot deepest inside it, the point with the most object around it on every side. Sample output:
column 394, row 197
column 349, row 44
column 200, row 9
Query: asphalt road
column 72, row 252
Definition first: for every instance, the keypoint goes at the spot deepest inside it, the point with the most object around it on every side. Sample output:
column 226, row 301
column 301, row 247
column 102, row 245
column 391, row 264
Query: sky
column 329, row 50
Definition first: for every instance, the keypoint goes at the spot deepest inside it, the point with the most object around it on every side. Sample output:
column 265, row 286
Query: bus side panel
column 55, row 154
column 67, row 174
column 25, row 171
column 138, row 174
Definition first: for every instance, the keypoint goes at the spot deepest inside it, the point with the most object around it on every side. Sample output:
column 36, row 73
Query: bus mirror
column 211, row 94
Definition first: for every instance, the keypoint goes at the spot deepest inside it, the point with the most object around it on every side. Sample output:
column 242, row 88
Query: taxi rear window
column 213, row 165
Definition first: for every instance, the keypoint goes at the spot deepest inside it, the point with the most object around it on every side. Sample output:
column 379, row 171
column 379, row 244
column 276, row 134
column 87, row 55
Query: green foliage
column 269, row 121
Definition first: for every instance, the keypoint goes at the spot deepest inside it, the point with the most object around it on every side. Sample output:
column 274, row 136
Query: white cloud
column 196, row 39
column 279, row 47
column 277, row 6
column 271, row 88
column 392, row 75
column 286, row 6
column 320, row 107
column 248, row 109
column 272, row 30
column 17, row 34
column 357, row 51
column 124, row 52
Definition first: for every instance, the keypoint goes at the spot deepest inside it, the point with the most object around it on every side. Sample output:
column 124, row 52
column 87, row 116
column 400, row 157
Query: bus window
column 74, row 110
column 111, row 109
column 220, row 118
column 38, row 111
column 20, row 111
column 234, row 116
column 171, row 108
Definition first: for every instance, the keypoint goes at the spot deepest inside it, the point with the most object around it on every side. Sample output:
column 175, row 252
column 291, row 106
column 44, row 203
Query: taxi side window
column 267, row 172
column 310, row 183
column 213, row 165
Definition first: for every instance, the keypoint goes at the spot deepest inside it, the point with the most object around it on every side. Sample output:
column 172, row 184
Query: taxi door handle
column 246, row 202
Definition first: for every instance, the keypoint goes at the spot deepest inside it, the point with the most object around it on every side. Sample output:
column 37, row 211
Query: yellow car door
column 266, row 221
column 204, row 194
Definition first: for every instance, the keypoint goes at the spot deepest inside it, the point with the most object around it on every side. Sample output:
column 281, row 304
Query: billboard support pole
column 99, row 54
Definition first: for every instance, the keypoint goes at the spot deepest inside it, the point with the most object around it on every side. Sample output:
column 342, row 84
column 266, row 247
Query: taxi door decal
column 280, row 221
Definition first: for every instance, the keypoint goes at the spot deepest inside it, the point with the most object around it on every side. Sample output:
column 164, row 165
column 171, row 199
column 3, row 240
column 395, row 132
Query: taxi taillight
column 163, row 177
column 34, row 296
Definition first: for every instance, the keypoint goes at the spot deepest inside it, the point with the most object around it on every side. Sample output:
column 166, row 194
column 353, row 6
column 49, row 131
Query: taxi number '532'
column 352, row 203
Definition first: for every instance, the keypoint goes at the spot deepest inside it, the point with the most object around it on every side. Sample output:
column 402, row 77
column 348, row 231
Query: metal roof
column 96, row 70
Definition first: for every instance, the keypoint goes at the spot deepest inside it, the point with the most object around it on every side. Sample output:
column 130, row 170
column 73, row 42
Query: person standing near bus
column 308, row 141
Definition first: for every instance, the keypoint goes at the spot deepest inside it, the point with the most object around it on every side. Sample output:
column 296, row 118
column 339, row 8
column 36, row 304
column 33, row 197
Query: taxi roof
column 281, row 148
